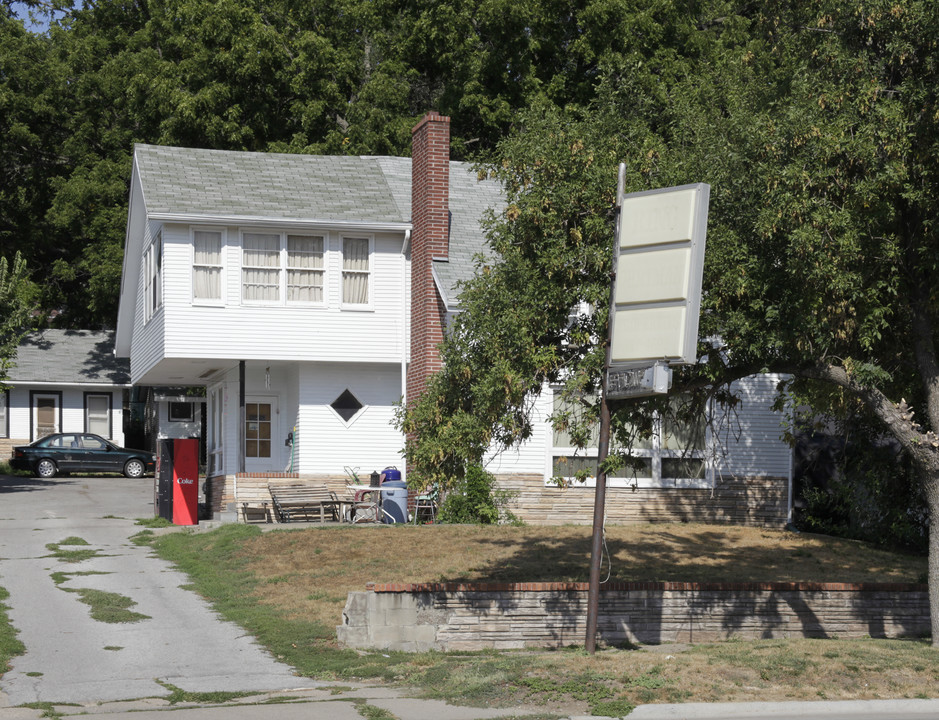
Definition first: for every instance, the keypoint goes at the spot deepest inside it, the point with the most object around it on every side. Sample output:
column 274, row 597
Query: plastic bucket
column 390, row 473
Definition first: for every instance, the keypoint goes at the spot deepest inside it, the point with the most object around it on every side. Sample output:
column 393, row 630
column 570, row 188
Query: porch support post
column 241, row 416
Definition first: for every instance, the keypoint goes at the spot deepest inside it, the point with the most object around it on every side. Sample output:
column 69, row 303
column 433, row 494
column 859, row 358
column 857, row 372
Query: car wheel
column 45, row 468
column 134, row 469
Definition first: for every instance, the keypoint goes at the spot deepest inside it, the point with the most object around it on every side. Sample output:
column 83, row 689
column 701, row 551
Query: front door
column 45, row 415
column 260, row 415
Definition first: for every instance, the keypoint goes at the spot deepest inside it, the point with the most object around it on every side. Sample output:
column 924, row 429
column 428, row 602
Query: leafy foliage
column 16, row 304
column 815, row 126
column 476, row 500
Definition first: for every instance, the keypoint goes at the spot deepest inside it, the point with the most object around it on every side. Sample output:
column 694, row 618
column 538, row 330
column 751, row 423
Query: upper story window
column 260, row 267
column 305, row 268
column 207, row 265
column 276, row 267
column 356, row 271
column 153, row 278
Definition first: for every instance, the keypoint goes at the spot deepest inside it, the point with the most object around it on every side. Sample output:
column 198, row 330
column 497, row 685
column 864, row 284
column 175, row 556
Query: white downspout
column 405, row 329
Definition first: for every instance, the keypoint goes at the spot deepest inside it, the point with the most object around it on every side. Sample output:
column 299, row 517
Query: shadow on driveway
column 14, row 483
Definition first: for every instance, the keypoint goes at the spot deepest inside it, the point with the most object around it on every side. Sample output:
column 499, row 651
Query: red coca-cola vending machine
column 177, row 496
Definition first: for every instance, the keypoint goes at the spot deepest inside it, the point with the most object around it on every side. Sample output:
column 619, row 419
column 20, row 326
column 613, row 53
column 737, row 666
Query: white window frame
column 655, row 454
column 153, row 277
column 284, row 267
column 215, row 434
column 369, row 272
column 220, row 300
column 324, row 285
column 109, row 400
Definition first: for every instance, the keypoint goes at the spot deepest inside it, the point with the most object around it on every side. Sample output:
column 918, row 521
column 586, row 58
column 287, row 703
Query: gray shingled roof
column 69, row 357
column 221, row 183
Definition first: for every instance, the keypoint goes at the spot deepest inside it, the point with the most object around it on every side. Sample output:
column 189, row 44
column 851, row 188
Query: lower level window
column 672, row 454
column 98, row 415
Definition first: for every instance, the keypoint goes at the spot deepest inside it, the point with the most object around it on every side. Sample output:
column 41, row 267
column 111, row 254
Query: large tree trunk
column 931, row 486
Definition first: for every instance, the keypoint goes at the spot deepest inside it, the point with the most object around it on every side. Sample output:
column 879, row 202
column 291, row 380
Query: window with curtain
column 98, row 415
column 260, row 267
column 355, row 271
column 153, row 277
column 207, row 265
column 305, row 268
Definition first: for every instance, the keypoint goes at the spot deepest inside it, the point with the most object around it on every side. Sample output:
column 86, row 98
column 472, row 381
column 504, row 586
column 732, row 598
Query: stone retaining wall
column 754, row 501
column 450, row 616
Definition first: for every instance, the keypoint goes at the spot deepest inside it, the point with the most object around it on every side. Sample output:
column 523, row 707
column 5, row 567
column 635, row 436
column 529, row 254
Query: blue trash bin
column 394, row 501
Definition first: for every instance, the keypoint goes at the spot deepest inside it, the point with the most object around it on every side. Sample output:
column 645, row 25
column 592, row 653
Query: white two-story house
column 307, row 295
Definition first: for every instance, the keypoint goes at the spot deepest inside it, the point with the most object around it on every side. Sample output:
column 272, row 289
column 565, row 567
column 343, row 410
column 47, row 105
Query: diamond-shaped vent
column 347, row 405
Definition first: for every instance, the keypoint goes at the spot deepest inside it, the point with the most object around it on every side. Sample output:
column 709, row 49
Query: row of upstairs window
column 282, row 268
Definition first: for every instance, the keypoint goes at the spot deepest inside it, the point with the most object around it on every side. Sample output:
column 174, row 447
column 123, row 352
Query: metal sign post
column 655, row 300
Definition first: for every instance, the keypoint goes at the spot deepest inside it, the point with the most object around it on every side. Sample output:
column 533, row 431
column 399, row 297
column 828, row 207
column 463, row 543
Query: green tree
column 816, row 127
column 16, row 306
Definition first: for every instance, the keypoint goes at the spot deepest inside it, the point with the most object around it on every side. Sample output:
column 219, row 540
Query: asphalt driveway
column 71, row 658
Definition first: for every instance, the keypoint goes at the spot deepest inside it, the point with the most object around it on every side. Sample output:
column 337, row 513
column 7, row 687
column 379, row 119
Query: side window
column 356, row 271
column 153, row 277
column 207, row 265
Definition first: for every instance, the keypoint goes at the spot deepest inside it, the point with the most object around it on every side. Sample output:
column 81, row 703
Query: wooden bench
column 294, row 501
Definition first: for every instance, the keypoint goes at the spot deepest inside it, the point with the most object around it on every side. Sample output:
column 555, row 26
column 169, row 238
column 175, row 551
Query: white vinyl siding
column 326, row 443
column 749, row 441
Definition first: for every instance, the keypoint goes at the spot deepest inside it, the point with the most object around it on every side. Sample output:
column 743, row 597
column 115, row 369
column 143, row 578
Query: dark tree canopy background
column 312, row 76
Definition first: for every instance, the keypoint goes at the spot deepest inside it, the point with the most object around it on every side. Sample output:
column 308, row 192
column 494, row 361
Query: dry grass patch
column 309, row 572
column 301, row 579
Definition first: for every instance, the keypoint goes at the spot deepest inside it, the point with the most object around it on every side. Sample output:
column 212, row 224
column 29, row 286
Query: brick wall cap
column 431, row 116
column 654, row 586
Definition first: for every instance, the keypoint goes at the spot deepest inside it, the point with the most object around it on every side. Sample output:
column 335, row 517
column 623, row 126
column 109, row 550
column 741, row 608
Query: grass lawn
column 288, row 587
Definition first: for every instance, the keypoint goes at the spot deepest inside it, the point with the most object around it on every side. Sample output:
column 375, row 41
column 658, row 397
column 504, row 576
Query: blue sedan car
column 80, row 452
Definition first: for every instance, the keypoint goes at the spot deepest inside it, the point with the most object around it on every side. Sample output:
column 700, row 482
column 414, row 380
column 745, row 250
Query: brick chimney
column 430, row 240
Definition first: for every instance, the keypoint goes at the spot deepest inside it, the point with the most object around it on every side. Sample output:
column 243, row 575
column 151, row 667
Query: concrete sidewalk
column 341, row 702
